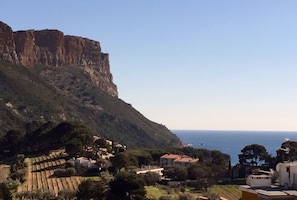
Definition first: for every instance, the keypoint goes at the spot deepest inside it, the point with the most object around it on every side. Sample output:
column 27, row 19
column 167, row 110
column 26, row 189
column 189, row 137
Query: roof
column 146, row 168
column 269, row 192
column 186, row 160
column 180, row 158
column 86, row 160
column 174, row 156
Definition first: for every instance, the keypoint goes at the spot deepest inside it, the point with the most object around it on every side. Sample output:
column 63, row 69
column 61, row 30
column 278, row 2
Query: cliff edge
column 46, row 76
column 53, row 48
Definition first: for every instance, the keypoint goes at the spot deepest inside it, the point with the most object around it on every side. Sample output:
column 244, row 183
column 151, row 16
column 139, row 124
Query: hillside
column 68, row 79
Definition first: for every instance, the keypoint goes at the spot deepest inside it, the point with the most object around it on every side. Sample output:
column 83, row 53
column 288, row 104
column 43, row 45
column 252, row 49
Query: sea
column 232, row 142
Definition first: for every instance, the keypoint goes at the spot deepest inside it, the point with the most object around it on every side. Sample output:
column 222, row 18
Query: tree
column 151, row 178
column 103, row 144
column 90, row 189
column 128, row 186
column 176, row 172
column 197, row 171
column 74, row 147
column 13, row 141
column 119, row 161
column 287, row 152
column 253, row 155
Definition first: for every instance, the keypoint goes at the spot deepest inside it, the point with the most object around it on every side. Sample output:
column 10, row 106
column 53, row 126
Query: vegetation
column 227, row 191
column 18, row 170
column 288, row 152
column 74, row 135
column 91, row 189
column 5, row 192
column 254, row 155
column 54, row 94
column 127, row 186
column 176, row 172
column 40, row 180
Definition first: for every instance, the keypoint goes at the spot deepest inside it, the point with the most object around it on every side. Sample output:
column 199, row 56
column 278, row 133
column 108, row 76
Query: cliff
column 47, row 76
column 53, row 48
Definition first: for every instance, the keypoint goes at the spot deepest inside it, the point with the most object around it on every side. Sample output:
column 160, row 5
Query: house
column 174, row 159
column 260, row 187
column 83, row 164
column 184, row 161
column 145, row 169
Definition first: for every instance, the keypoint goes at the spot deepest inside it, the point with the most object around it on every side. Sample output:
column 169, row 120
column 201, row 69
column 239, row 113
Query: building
column 145, row 169
column 174, row 159
column 260, row 187
column 83, row 164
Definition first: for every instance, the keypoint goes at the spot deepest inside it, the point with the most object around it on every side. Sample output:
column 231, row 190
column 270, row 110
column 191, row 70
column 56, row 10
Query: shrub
column 4, row 192
column 151, row 178
column 166, row 197
column 69, row 164
column 64, row 172
column 12, row 184
column 70, row 171
column 186, row 197
column 66, row 194
column 21, row 175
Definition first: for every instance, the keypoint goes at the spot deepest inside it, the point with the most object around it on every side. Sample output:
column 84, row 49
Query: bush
column 12, row 184
column 64, row 172
column 69, row 164
column 166, row 197
column 90, row 189
column 151, row 178
column 186, row 197
column 21, row 175
column 66, row 194
column 70, row 171
column 4, row 192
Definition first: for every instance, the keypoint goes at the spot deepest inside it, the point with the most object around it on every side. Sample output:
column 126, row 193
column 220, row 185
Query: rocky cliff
column 67, row 78
column 53, row 48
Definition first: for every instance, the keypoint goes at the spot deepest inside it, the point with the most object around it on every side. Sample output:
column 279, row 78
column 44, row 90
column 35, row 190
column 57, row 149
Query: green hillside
column 56, row 94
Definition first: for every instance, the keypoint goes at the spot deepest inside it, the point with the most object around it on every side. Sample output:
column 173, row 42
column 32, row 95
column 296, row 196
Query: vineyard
column 4, row 172
column 230, row 192
column 40, row 171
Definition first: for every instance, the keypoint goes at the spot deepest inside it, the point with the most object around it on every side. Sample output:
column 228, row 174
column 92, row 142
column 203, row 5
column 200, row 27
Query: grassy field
column 39, row 176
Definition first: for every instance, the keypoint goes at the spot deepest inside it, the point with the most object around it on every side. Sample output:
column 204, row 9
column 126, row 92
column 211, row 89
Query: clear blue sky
column 194, row 64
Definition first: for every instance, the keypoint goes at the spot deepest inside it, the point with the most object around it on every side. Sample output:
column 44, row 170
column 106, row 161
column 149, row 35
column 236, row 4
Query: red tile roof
column 180, row 158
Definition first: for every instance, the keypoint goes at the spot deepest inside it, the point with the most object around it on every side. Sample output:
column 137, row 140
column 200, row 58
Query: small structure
column 260, row 186
column 258, row 181
column 83, row 164
column 145, row 169
column 174, row 159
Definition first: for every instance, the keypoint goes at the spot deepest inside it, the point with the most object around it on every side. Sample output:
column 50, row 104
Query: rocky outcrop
column 53, row 48
column 7, row 45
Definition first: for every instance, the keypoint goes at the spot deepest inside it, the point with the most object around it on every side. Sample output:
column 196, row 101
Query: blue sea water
column 231, row 142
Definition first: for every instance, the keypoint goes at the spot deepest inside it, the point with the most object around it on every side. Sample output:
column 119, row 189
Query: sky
column 194, row 64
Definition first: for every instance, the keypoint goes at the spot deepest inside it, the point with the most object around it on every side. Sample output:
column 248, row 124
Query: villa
column 174, row 159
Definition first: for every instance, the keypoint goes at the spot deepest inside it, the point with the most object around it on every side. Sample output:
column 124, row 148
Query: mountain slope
column 48, row 76
column 55, row 94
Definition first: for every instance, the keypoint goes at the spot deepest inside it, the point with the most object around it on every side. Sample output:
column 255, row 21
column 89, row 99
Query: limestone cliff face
column 53, row 48
column 7, row 45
